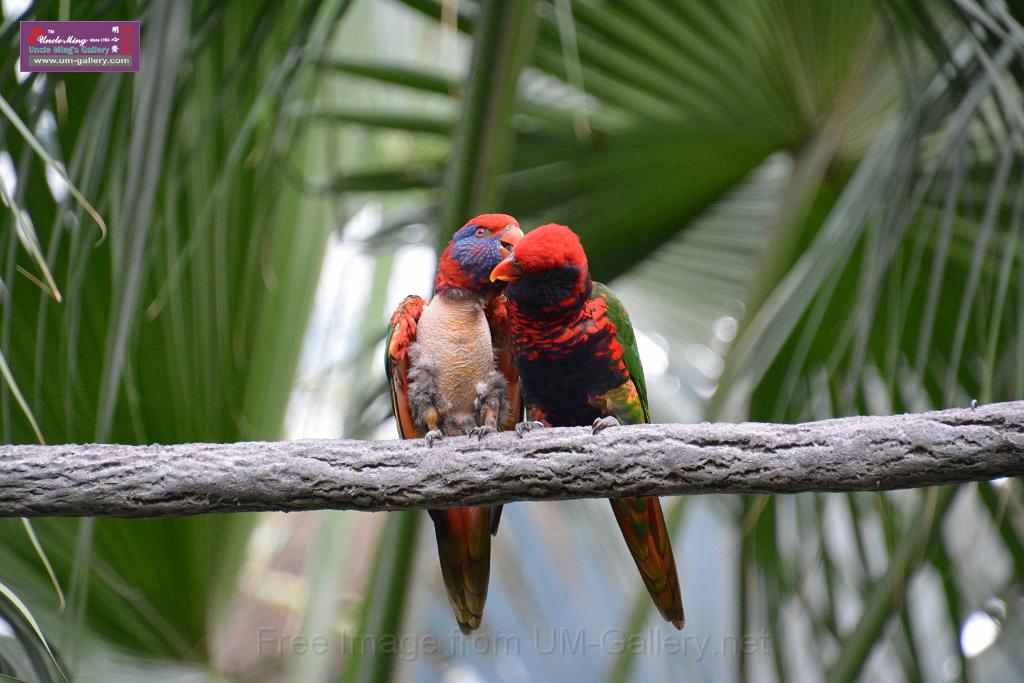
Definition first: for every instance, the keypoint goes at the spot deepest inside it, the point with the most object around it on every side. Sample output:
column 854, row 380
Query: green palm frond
column 180, row 325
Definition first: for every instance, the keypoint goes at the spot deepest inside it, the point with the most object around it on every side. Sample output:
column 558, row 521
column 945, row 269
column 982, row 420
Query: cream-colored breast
column 455, row 338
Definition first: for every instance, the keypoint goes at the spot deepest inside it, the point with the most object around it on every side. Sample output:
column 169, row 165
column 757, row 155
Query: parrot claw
column 480, row 431
column 432, row 436
column 602, row 423
column 528, row 426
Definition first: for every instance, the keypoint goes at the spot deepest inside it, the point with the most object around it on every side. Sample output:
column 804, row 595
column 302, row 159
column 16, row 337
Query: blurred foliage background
column 810, row 210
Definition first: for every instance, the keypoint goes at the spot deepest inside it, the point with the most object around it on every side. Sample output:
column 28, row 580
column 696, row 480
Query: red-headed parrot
column 450, row 366
column 579, row 366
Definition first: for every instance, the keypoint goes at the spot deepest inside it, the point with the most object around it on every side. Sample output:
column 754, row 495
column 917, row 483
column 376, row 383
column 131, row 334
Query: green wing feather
column 624, row 334
column 641, row 519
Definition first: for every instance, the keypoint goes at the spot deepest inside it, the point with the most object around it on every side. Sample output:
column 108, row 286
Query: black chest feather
column 562, row 383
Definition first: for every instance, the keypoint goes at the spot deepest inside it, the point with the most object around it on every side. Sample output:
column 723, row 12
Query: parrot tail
column 643, row 527
column 464, row 547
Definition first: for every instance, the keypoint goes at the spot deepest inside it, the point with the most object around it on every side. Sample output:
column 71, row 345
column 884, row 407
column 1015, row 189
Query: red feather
column 494, row 221
column 501, row 338
column 550, row 246
column 464, row 548
column 643, row 526
column 401, row 335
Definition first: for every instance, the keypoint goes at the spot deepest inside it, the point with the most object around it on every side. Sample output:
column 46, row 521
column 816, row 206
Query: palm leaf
column 197, row 366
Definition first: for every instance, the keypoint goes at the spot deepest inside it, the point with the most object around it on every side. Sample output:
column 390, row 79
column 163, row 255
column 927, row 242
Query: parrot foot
column 602, row 423
column 528, row 426
column 432, row 436
column 480, row 431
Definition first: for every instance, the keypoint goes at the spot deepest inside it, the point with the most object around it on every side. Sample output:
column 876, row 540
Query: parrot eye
column 480, row 232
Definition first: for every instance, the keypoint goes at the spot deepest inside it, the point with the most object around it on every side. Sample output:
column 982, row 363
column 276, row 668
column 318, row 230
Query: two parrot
column 516, row 322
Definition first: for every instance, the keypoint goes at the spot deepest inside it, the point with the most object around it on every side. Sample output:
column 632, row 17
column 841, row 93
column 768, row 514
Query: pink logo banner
column 80, row 46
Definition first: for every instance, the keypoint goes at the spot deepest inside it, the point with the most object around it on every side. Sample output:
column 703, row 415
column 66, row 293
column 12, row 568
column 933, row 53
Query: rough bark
column 850, row 454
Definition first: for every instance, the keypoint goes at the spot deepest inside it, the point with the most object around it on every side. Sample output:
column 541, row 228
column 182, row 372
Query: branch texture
column 850, row 454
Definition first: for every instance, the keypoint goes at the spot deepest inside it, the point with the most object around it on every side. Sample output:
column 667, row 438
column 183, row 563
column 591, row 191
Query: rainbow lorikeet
column 450, row 366
column 579, row 365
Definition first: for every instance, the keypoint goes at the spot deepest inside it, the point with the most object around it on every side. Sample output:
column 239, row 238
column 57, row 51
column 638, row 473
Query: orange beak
column 507, row 271
column 509, row 237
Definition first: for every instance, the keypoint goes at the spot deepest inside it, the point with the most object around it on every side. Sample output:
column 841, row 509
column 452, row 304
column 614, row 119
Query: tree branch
column 850, row 454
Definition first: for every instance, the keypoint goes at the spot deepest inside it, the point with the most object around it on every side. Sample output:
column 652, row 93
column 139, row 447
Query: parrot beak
column 509, row 237
column 507, row 271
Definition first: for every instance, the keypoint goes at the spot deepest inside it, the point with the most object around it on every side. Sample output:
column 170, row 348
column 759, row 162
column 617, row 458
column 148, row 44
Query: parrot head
column 547, row 269
column 473, row 252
